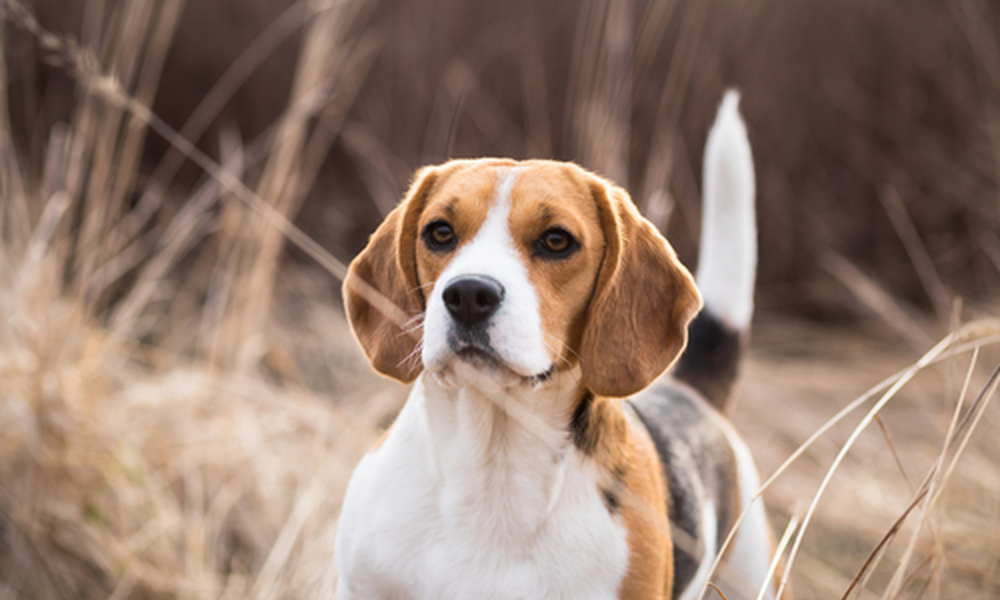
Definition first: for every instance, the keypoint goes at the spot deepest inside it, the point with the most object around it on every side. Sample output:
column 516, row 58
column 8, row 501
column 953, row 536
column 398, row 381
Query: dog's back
column 704, row 461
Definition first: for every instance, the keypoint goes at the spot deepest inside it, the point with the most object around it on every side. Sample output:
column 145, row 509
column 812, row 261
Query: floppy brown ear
column 643, row 301
column 382, row 296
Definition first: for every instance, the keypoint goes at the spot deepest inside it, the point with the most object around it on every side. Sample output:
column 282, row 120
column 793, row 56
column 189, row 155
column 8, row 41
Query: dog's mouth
column 474, row 349
column 473, row 346
column 480, row 358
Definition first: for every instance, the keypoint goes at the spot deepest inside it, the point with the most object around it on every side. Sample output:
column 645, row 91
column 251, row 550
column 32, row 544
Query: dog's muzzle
column 471, row 300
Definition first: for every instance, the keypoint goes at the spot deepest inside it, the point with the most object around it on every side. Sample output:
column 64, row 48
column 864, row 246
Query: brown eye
column 439, row 236
column 556, row 243
column 442, row 234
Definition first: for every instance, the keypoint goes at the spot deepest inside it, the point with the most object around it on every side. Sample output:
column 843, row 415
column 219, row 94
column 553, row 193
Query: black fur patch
column 611, row 500
column 580, row 431
column 711, row 360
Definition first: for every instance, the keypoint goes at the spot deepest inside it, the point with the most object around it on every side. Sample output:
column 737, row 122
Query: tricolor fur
column 536, row 298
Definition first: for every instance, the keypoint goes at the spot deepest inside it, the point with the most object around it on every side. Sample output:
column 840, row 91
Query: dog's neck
column 501, row 448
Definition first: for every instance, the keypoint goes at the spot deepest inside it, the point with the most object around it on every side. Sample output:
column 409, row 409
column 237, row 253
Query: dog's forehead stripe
column 506, row 178
column 495, row 228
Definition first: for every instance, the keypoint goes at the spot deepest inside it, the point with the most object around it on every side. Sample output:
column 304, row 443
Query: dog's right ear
column 382, row 295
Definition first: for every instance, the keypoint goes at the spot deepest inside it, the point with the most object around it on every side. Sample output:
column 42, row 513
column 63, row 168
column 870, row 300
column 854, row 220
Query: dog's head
column 521, row 269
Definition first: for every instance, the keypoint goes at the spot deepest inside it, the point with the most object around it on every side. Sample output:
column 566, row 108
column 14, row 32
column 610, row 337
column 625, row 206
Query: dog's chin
column 481, row 359
column 483, row 369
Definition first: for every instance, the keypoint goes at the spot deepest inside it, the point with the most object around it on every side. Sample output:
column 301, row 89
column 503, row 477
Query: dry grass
column 129, row 469
column 180, row 409
column 122, row 483
column 930, row 451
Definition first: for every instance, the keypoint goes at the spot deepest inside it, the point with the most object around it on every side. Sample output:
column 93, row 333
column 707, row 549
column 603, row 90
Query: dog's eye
column 556, row 243
column 439, row 236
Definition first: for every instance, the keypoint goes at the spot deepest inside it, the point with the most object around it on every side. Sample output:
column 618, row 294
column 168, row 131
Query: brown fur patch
column 630, row 472
column 385, row 342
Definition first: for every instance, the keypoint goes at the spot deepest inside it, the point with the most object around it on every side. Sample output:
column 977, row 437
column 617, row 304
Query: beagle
column 540, row 455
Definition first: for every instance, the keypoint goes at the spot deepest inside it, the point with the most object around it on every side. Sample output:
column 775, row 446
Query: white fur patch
column 466, row 499
column 727, row 261
column 750, row 555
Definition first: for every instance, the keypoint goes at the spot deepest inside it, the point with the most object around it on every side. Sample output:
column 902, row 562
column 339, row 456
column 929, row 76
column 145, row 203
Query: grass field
column 181, row 401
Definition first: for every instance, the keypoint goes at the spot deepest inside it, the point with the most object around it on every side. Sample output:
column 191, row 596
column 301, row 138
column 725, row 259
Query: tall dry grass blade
column 462, row 93
column 799, row 451
column 892, row 450
column 379, row 169
column 868, row 568
column 917, row 251
column 165, row 22
column 56, row 161
column 651, row 29
column 861, row 577
column 717, row 590
column 323, row 56
column 925, row 360
column 969, row 338
column 442, row 122
column 587, row 44
column 330, row 121
column 779, row 553
column 600, row 94
column 41, row 240
column 122, row 45
column 92, row 23
column 972, row 413
column 936, row 486
column 925, row 488
column 15, row 219
column 233, row 184
column 263, row 46
column 989, row 577
column 664, row 146
column 233, row 153
column 871, row 295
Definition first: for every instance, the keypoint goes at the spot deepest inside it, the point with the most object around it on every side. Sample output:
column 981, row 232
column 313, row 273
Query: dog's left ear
column 644, row 298
column 384, row 321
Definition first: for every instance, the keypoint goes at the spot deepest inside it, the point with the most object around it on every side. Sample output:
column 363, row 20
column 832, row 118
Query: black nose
column 472, row 299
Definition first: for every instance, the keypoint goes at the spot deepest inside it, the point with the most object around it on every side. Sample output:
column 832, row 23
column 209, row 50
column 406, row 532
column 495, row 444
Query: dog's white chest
column 426, row 522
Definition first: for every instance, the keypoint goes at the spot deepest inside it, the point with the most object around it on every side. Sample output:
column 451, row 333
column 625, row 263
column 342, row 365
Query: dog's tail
column 727, row 261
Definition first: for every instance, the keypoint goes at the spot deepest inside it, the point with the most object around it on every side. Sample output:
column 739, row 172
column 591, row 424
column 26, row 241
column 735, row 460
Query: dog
column 542, row 452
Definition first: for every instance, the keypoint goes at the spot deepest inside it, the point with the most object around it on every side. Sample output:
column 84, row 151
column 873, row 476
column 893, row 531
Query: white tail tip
column 727, row 262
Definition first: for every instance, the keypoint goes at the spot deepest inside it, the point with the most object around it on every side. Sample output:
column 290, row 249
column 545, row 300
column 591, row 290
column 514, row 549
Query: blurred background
column 182, row 181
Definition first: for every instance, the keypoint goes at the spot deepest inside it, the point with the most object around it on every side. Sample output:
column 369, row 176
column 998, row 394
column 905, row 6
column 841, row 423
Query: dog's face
column 521, row 270
column 511, row 255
